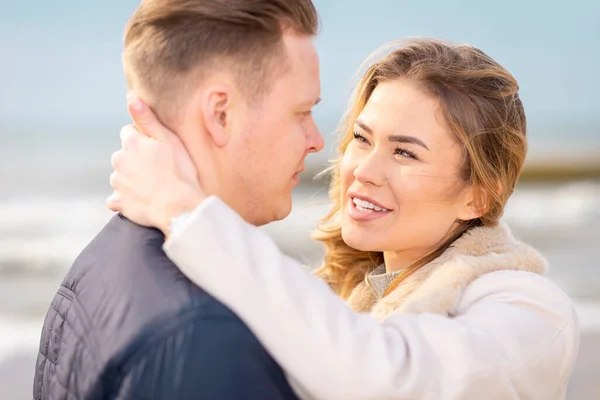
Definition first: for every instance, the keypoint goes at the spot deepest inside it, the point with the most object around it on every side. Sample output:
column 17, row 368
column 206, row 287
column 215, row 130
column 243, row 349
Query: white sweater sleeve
column 333, row 353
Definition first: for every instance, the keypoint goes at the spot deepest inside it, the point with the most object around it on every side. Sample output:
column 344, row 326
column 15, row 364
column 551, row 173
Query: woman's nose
column 370, row 171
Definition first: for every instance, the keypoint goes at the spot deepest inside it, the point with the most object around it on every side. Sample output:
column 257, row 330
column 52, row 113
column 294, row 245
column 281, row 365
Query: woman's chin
column 361, row 241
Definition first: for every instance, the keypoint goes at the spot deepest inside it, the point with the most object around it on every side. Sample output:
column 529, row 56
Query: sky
column 61, row 59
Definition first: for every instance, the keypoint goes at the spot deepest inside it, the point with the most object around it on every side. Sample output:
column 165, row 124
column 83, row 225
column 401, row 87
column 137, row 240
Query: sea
column 52, row 203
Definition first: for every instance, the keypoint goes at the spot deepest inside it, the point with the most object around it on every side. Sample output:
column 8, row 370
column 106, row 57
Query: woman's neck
column 399, row 260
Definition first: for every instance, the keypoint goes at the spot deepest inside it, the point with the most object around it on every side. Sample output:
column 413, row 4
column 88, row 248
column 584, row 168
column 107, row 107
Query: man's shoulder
column 128, row 261
column 124, row 309
column 126, row 288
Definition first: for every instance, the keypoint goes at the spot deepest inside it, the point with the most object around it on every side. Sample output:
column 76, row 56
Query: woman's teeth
column 365, row 206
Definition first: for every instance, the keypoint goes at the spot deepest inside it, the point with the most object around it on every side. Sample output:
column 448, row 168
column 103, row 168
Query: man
column 236, row 79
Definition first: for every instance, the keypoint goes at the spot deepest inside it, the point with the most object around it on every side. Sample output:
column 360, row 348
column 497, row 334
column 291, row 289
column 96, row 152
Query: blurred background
column 62, row 103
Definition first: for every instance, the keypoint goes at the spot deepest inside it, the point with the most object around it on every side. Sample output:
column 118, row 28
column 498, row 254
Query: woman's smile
column 364, row 209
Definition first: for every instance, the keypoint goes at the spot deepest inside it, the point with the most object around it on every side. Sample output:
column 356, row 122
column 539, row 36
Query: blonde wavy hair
column 479, row 101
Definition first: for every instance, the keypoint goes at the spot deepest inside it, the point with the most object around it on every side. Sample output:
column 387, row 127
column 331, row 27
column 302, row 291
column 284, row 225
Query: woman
column 444, row 302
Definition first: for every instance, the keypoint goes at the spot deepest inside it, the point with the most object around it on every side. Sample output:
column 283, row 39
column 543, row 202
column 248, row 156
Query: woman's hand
column 154, row 178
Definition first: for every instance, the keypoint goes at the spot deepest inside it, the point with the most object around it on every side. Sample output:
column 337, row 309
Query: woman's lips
column 363, row 210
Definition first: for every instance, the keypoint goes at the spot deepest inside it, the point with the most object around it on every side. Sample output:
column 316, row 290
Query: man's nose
column 314, row 139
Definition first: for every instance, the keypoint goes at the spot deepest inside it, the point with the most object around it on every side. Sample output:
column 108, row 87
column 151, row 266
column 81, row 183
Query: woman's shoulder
column 518, row 286
column 533, row 318
column 529, row 303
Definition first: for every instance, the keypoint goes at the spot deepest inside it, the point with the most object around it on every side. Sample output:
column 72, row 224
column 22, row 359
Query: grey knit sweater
column 379, row 280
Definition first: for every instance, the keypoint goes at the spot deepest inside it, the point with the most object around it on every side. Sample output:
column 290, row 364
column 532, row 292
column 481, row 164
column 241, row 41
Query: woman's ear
column 478, row 202
column 475, row 205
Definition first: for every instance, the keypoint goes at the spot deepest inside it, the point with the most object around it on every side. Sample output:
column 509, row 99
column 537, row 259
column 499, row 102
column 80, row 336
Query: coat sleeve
column 209, row 358
column 507, row 345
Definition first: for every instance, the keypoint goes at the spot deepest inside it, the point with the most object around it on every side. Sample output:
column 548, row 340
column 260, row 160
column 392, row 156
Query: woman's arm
column 502, row 348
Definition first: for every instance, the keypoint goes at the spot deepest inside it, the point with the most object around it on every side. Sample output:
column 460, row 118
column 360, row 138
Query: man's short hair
column 170, row 45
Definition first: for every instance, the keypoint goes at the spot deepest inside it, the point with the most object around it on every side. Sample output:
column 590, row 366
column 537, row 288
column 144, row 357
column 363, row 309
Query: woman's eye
column 405, row 153
column 360, row 137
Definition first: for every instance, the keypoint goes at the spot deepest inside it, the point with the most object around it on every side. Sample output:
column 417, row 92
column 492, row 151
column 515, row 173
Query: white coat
column 479, row 322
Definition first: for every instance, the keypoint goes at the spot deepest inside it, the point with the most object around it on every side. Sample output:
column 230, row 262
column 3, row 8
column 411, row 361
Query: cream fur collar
column 437, row 287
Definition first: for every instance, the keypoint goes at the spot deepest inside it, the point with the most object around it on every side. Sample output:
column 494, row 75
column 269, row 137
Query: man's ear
column 216, row 105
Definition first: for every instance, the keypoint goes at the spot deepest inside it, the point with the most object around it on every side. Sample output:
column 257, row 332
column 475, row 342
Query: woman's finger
column 136, row 153
column 130, row 137
column 125, row 132
column 116, row 160
column 113, row 202
column 116, row 180
column 125, row 162
column 145, row 119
